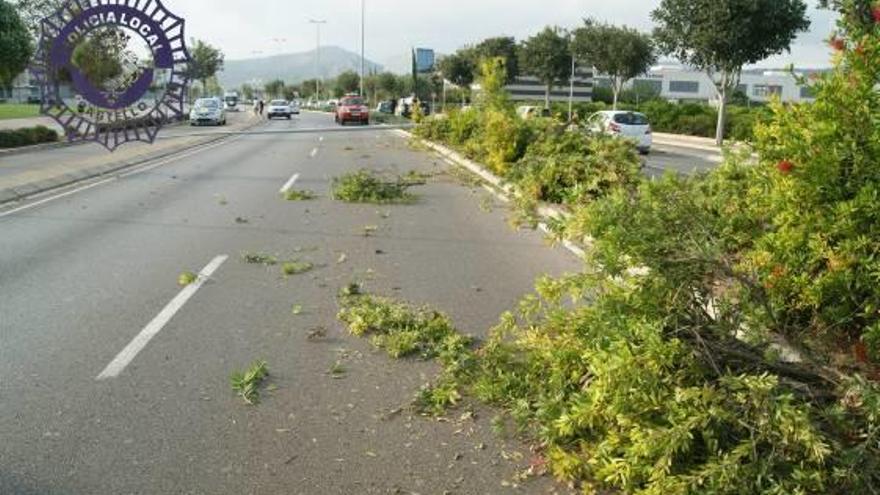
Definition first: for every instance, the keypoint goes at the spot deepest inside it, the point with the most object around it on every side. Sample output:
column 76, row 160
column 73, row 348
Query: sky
column 268, row 27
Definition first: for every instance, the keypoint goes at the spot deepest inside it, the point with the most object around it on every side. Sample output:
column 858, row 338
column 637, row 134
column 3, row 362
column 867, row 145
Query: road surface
column 88, row 405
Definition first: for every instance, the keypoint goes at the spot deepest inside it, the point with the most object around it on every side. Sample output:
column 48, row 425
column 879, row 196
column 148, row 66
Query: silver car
column 207, row 111
column 279, row 108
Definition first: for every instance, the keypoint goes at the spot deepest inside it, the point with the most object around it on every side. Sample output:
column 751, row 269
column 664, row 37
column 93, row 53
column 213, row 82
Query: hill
column 293, row 67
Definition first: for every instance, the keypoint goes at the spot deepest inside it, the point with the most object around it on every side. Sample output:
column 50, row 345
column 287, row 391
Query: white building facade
column 682, row 85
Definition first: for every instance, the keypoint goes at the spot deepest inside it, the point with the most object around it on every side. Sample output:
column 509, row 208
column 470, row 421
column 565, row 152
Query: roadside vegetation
column 367, row 186
column 27, row 136
column 246, row 384
column 724, row 337
column 299, row 195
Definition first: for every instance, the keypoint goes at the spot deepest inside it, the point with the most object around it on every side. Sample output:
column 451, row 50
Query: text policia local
column 135, row 23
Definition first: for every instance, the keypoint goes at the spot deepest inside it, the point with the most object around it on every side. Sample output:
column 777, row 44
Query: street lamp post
column 317, row 24
column 363, row 37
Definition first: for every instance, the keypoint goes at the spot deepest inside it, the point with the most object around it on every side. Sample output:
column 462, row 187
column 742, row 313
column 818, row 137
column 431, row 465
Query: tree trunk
column 722, row 111
column 616, row 87
column 547, row 96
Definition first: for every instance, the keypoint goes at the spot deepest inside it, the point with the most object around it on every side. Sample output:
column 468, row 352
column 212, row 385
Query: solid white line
column 53, row 198
column 170, row 159
column 154, row 327
column 289, row 184
column 140, row 169
column 314, row 152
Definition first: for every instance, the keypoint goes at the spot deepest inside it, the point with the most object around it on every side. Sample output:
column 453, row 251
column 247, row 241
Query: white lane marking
column 320, row 139
column 154, row 327
column 314, row 152
column 141, row 169
column 53, row 198
column 289, row 184
column 177, row 157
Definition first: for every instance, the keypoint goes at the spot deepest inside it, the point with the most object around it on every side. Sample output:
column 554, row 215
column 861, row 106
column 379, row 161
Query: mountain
column 293, row 67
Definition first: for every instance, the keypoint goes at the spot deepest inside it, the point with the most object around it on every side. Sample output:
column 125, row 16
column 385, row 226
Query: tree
column 99, row 56
column 15, row 45
column 620, row 52
column 274, row 88
column 547, row 56
column 291, row 92
column 458, row 69
column 247, row 91
column 721, row 36
column 205, row 62
column 347, row 82
column 500, row 46
column 32, row 12
column 389, row 84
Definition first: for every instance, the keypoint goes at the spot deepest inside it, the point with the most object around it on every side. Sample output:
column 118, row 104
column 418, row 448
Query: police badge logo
column 112, row 71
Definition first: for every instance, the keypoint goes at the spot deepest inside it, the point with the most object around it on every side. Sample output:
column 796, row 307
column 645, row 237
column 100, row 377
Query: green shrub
column 571, row 168
column 28, row 136
column 366, row 186
column 401, row 329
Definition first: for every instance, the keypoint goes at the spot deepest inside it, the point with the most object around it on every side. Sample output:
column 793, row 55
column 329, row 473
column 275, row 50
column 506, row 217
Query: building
column 682, row 85
column 526, row 88
column 424, row 60
column 24, row 89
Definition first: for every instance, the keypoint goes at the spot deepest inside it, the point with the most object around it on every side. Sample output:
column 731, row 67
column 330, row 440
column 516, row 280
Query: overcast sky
column 244, row 29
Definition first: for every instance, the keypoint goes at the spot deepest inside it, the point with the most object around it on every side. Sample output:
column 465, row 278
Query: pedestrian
column 262, row 106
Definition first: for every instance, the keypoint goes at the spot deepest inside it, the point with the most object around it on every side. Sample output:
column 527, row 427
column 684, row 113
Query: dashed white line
column 314, row 152
column 320, row 139
column 289, row 184
column 125, row 357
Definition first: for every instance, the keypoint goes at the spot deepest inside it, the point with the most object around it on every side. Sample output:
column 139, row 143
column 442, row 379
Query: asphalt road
column 83, row 275
column 683, row 160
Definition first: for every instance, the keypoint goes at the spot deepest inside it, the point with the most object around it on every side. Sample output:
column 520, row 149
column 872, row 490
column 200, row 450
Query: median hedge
column 724, row 337
column 27, row 136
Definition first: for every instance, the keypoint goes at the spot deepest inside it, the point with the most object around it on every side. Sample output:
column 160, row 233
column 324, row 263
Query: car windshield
column 351, row 102
column 207, row 103
column 631, row 119
column 278, row 103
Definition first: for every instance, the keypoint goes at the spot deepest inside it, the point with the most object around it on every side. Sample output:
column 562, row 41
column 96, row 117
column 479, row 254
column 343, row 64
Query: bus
column 230, row 99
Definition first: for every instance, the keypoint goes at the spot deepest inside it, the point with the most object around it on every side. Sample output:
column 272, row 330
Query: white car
column 279, row 108
column 207, row 111
column 629, row 125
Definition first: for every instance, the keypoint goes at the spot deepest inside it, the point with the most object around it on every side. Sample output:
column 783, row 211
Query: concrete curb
column 24, row 191
column 548, row 212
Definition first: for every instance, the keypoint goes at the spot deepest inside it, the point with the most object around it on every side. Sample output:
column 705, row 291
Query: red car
column 352, row 109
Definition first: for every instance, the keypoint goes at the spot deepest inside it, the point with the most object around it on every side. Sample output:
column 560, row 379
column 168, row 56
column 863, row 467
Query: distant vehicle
column 352, row 109
column 279, row 108
column 528, row 112
column 294, row 107
column 629, row 125
column 231, row 101
column 207, row 111
column 405, row 107
column 385, row 107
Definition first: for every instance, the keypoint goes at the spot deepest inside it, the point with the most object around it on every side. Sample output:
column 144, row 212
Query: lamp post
column 318, row 23
column 363, row 37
